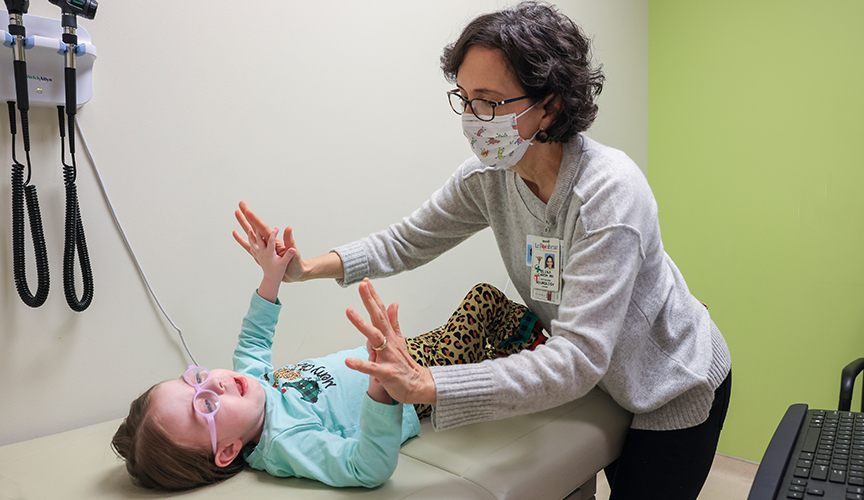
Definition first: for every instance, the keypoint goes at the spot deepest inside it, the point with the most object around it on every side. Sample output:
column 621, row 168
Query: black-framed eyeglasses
column 481, row 108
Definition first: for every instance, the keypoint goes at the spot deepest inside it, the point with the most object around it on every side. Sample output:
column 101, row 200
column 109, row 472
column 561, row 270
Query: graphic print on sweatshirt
column 306, row 378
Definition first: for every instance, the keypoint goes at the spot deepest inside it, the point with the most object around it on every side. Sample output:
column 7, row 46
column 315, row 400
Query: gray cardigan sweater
column 626, row 323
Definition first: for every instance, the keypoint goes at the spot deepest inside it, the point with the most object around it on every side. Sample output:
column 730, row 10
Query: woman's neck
column 539, row 168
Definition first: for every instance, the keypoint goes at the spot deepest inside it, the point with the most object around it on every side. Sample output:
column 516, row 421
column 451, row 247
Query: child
column 316, row 419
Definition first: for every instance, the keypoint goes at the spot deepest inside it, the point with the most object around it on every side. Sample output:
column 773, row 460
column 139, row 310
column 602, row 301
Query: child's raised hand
column 270, row 261
column 251, row 222
column 265, row 253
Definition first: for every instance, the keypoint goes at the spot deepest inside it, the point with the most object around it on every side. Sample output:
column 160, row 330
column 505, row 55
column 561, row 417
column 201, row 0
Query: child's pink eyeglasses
column 205, row 402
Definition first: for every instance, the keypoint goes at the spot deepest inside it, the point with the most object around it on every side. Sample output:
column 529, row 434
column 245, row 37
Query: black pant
column 669, row 464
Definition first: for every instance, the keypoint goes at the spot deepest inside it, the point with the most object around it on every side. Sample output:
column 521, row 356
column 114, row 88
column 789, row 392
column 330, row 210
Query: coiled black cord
column 74, row 228
column 22, row 189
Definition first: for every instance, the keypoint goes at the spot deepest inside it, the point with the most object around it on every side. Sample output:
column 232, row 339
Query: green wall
column 755, row 144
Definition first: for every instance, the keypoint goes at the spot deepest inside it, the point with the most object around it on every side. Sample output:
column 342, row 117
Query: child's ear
column 227, row 453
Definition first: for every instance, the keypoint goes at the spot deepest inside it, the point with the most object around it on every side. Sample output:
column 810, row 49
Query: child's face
column 240, row 415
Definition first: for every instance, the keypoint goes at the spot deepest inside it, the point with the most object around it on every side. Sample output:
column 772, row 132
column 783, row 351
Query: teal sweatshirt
column 319, row 423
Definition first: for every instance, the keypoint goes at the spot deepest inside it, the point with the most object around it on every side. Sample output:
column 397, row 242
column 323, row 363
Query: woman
column 620, row 314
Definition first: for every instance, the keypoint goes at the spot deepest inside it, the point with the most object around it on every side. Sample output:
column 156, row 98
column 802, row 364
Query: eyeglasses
column 205, row 402
column 481, row 108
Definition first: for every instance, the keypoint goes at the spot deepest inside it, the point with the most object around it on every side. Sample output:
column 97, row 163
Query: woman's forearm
column 324, row 266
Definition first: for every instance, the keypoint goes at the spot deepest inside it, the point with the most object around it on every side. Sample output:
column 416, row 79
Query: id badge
column 545, row 255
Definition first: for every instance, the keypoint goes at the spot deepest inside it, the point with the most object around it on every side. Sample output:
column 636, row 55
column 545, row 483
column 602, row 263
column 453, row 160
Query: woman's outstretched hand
column 389, row 360
column 251, row 223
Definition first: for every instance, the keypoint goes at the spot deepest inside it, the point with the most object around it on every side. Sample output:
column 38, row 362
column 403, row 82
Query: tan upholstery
column 547, row 455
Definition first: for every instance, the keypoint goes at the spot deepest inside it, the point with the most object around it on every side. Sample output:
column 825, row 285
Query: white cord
column 507, row 285
column 126, row 240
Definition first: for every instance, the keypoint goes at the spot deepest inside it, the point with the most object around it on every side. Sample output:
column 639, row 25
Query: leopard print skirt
column 486, row 325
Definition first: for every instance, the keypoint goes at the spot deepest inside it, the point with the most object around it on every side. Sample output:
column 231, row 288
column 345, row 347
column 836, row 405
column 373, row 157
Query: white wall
column 330, row 117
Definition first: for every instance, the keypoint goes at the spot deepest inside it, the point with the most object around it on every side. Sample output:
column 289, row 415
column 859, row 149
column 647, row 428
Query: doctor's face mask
column 496, row 143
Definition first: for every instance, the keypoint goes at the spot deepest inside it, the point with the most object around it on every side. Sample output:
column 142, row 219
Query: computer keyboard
column 828, row 458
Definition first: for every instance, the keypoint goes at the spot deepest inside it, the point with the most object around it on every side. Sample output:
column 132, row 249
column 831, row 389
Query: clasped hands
column 391, row 365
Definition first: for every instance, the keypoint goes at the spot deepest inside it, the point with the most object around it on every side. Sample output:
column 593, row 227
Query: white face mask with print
column 497, row 143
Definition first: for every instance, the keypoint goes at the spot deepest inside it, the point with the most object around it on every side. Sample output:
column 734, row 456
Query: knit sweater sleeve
column 449, row 217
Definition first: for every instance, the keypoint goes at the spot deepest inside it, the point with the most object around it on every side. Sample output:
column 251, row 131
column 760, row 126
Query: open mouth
column 241, row 386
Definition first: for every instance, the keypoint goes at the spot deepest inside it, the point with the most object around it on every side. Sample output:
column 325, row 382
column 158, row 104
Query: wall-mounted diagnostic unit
column 45, row 50
column 51, row 64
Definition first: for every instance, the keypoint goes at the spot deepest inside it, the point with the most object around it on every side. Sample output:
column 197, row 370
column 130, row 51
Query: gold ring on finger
column 381, row 348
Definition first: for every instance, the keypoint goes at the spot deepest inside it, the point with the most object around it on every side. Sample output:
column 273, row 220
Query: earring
column 542, row 136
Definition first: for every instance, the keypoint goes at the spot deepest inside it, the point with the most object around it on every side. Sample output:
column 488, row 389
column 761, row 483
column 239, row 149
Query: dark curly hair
column 155, row 461
column 548, row 54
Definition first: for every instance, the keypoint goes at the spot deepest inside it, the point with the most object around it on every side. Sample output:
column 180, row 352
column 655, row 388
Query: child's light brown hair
column 155, row 461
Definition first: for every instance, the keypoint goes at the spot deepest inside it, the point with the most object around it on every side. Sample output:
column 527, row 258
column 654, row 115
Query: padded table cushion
column 546, row 455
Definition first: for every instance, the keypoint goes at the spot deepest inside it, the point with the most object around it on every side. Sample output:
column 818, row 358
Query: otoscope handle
column 71, row 92
column 21, row 85
column 12, row 122
column 23, row 100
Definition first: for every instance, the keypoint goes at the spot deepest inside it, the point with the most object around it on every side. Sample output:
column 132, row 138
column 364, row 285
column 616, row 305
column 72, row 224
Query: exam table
column 554, row 454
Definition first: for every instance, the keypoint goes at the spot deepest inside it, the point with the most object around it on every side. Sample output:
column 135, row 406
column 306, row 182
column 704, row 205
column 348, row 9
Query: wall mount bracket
column 44, row 52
